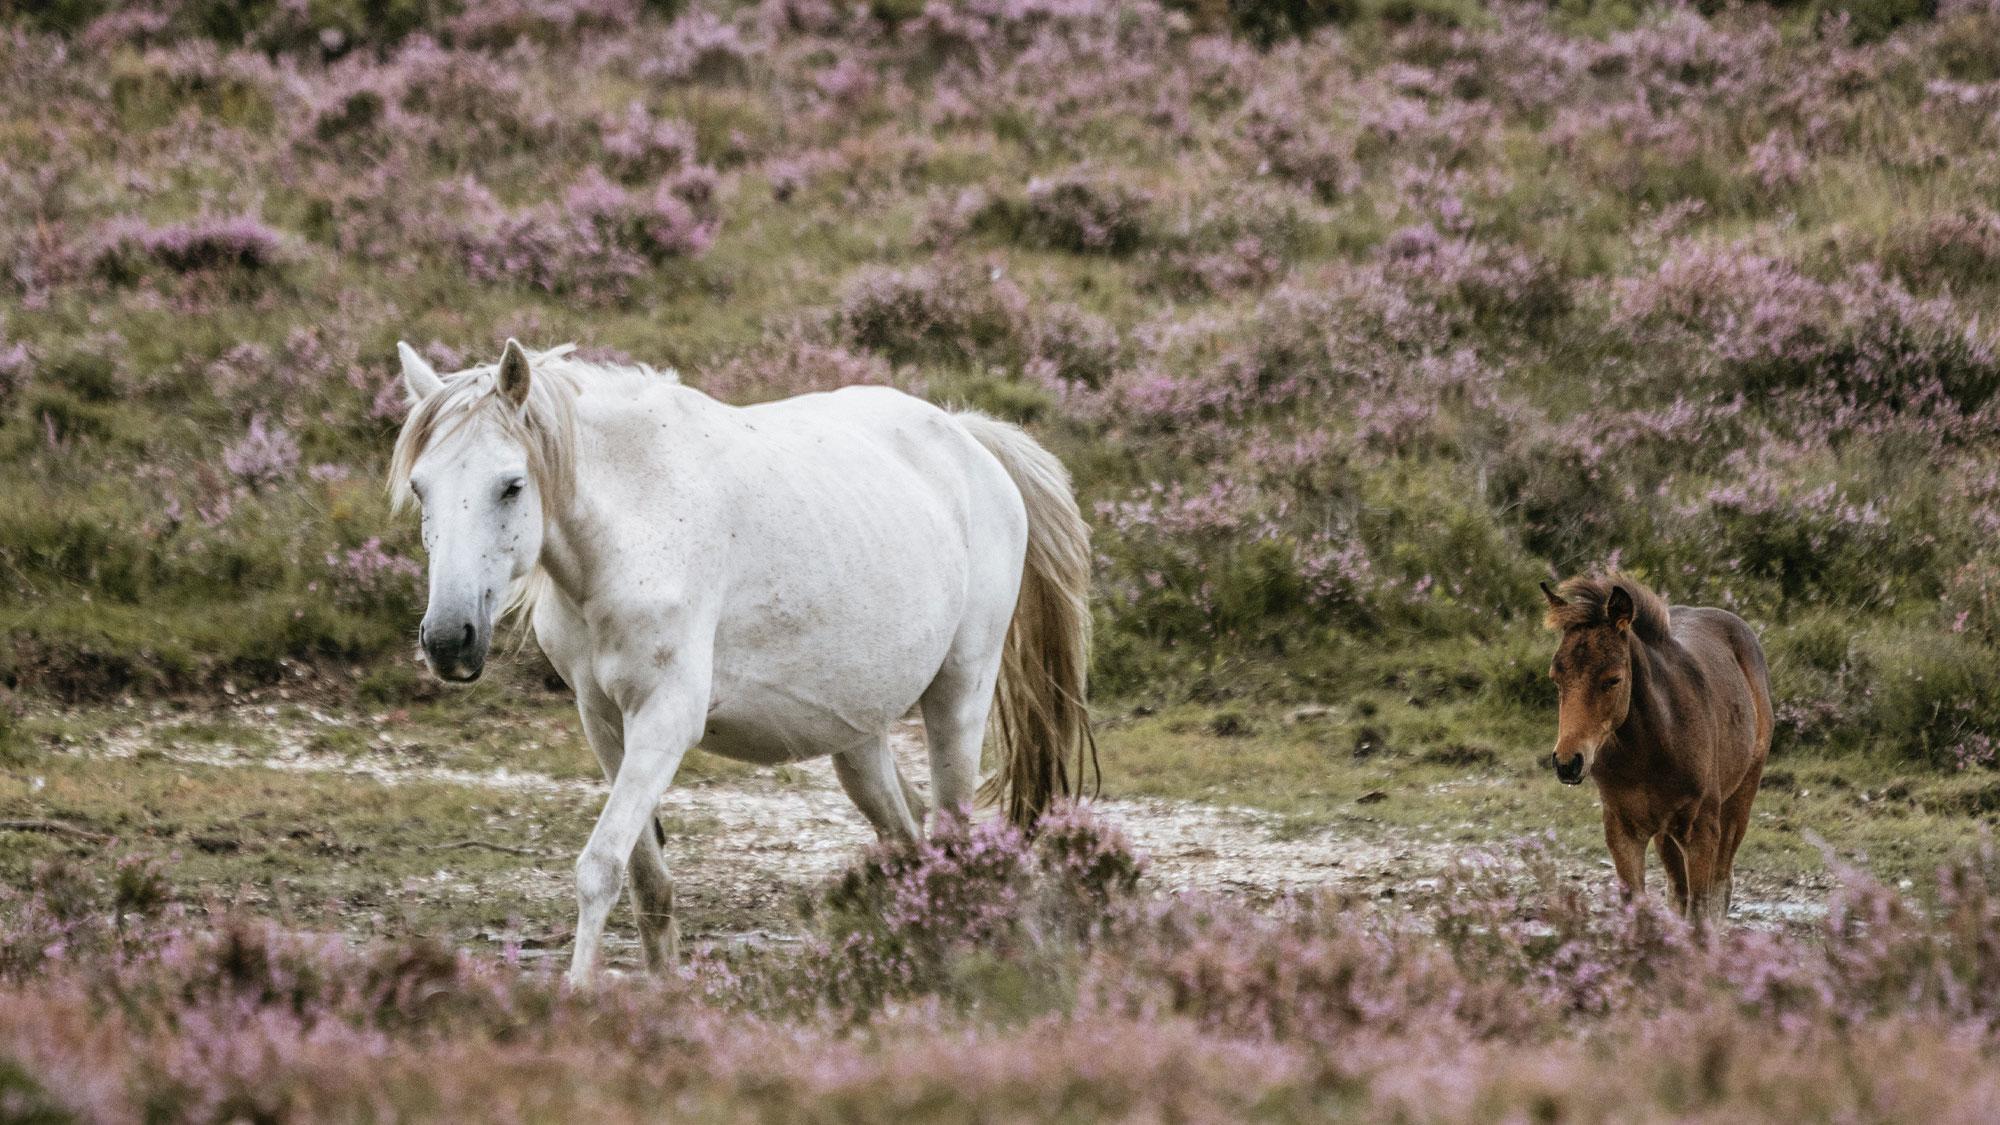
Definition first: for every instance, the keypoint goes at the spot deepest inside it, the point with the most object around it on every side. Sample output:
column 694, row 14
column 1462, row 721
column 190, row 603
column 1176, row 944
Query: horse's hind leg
column 1735, row 822
column 956, row 707
column 652, row 887
column 868, row 773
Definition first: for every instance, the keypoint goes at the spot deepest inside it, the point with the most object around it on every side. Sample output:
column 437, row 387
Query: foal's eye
column 512, row 490
column 1613, row 682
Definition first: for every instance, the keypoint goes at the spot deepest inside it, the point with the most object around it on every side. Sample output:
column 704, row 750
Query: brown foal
column 1669, row 711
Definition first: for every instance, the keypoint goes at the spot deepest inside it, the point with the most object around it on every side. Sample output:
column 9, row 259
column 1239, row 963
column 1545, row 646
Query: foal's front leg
column 658, row 734
column 1628, row 852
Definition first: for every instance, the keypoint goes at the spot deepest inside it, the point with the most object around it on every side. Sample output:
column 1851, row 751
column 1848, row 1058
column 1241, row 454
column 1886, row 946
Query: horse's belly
column 772, row 731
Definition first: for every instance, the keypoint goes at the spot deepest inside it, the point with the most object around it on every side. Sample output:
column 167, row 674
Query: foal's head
column 1602, row 620
column 477, row 453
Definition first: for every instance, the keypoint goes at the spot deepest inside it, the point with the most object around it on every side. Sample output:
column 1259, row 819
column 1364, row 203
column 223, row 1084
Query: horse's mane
column 1588, row 599
column 545, row 427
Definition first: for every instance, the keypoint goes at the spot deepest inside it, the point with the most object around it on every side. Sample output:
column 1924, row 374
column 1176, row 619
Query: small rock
column 1368, row 742
column 1371, row 797
column 1310, row 713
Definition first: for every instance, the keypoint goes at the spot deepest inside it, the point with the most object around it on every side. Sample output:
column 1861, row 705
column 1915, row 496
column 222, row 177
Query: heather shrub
column 1068, row 344
column 371, row 578
column 600, row 241
column 130, row 251
column 794, row 364
column 702, row 48
column 89, row 374
column 933, row 918
column 1971, row 600
column 501, row 24
column 1286, row 140
column 939, row 313
column 1868, row 20
column 1490, row 281
column 1214, row 564
column 1814, row 542
column 1561, row 498
column 1929, row 696
column 1266, row 24
column 1084, row 215
column 1200, row 1006
column 1775, row 328
column 1217, row 245
column 1453, row 568
column 1955, row 249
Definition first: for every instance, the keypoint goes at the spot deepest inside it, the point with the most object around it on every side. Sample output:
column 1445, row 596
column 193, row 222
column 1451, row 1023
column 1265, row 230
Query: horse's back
column 866, row 525
column 1733, row 665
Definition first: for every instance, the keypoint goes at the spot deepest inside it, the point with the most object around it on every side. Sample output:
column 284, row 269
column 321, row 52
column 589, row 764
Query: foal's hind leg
column 1735, row 822
column 1695, row 838
column 868, row 773
column 652, row 887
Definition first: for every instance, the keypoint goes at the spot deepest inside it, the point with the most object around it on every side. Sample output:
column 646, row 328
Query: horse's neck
column 611, row 435
column 1651, row 712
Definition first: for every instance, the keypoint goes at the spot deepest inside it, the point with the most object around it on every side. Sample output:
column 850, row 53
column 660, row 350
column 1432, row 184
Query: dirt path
column 742, row 849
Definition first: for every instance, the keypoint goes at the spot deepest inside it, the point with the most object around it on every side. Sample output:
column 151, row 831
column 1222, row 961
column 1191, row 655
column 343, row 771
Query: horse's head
column 1592, row 670
column 467, row 456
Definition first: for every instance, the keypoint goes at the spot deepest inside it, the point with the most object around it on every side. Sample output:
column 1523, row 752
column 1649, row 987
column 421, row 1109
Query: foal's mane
column 1589, row 599
column 545, row 426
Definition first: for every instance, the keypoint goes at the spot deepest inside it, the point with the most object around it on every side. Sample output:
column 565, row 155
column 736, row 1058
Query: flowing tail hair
column 1040, row 715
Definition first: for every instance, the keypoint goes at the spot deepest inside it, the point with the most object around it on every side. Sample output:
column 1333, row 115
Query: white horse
column 773, row 582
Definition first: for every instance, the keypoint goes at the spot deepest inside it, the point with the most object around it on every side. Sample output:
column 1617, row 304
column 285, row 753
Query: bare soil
column 745, row 848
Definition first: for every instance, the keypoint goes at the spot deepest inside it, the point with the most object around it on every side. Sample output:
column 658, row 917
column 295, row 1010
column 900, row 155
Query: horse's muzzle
column 457, row 652
column 1570, row 772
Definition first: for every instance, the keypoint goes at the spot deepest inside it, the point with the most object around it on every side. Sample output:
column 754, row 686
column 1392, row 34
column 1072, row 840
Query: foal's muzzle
column 456, row 649
column 1570, row 772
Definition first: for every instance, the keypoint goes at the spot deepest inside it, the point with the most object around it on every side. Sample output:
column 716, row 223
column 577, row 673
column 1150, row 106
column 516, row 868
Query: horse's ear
column 419, row 381
column 1550, row 595
column 1619, row 607
column 514, row 372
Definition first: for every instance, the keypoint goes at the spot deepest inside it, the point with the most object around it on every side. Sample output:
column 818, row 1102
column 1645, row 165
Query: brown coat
column 1668, row 710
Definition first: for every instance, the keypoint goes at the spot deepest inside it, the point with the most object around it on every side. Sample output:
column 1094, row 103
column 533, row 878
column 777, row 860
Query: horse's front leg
column 658, row 734
column 652, row 887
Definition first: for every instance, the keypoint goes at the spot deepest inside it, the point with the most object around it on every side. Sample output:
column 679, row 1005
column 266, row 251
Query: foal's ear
column 514, row 372
column 1619, row 607
column 419, row 381
column 1550, row 595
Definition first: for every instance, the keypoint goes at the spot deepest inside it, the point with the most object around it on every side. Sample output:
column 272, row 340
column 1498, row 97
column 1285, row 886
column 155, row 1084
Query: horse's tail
column 1039, row 707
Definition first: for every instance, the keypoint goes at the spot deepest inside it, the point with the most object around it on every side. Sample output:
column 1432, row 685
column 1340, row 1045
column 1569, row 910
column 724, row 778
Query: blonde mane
column 544, row 426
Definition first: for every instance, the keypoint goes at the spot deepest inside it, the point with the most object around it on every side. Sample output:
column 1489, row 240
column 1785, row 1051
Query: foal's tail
column 1046, row 748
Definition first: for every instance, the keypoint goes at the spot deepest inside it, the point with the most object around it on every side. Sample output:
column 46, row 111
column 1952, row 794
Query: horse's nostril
column 468, row 635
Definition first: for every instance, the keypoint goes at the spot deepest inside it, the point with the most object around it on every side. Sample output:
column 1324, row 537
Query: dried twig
column 488, row 845
column 52, row 827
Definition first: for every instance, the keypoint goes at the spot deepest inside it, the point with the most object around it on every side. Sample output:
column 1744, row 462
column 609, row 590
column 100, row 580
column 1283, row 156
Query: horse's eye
column 512, row 490
column 1613, row 682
